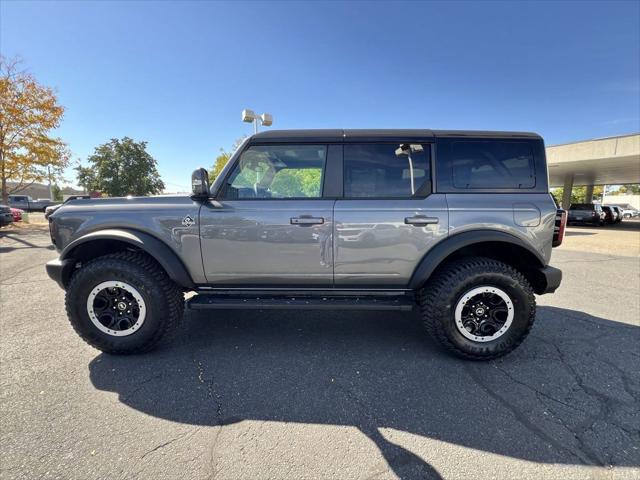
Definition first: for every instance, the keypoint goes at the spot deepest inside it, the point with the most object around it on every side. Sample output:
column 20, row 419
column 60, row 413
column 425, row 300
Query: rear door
column 389, row 216
column 271, row 225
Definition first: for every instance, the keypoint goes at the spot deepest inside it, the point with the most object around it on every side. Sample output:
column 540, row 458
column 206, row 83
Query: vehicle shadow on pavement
column 573, row 233
column 569, row 395
column 19, row 240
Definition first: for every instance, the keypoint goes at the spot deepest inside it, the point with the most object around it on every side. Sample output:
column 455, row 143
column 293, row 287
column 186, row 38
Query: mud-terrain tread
column 433, row 299
column 172, row 293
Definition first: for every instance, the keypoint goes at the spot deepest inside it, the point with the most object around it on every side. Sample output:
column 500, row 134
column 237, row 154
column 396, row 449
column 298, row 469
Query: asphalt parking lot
column 318, row 395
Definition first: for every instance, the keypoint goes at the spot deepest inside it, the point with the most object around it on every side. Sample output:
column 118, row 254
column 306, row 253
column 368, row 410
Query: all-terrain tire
column 441, row 294
column 163, row 299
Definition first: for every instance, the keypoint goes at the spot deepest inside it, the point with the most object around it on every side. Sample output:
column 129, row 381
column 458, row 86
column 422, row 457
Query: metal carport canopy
column 602, row 161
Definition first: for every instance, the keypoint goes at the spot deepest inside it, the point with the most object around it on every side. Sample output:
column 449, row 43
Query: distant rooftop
column 596, row 139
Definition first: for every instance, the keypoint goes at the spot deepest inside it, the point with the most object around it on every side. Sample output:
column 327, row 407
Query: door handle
column 307, row 220
column 420, row 220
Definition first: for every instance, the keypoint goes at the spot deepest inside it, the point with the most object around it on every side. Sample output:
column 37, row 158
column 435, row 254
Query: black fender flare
column 451, row 244
column 151, row 245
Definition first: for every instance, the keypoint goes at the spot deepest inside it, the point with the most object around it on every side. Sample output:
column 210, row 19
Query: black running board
column 226, row 302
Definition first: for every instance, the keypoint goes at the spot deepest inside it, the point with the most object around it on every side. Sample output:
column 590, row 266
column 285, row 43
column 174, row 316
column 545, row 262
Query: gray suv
column 459, row 225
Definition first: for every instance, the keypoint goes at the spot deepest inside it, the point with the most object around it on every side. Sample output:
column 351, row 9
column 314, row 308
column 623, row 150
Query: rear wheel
column 478, row 308
column 123, row 303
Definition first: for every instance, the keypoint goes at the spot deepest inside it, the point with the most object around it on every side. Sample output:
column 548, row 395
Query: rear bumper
column 550, row 279
column 60, row 271
column 590, row 220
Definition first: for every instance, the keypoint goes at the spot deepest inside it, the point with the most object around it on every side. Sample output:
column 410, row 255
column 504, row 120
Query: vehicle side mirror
column 200, row 183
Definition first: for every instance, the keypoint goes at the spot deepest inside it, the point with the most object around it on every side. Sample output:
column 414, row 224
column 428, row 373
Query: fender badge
column 188, row 221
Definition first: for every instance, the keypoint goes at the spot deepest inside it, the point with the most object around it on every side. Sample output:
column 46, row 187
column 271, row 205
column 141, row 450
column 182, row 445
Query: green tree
column 579, row 194
column 630, row 189
column 303, row 182
column 218, row 164
column 223, row 158
column 119, row 168
column 57, row 193
column 86, row 178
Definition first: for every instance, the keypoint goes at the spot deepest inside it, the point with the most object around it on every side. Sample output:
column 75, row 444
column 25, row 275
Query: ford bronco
column 457, row 224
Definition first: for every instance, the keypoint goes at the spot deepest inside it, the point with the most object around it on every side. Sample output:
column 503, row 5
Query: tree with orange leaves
column 28, row 113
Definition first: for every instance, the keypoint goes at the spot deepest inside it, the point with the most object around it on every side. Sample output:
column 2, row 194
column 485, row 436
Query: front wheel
column 123, row 303
column 478, row 308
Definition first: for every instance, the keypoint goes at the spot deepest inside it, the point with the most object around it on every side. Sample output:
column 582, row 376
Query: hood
column 122, row 203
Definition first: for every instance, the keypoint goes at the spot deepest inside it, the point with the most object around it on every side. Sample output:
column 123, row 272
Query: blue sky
column 178, row 74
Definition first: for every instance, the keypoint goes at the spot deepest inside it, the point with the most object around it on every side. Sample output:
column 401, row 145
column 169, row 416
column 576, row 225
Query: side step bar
column 208, row 301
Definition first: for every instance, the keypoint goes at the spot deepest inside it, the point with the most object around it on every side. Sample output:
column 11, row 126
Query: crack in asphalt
column 606, row 410
column 599, row 260
column 213, row 395
column 23, row 270
column 401, row 457
column 624, row 377
column 180, row 436
column 162, row 445
column 139, row 386
column 536, row 391
column 521, row 417
column 22, row 283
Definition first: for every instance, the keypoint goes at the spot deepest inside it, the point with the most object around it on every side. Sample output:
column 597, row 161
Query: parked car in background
column 28, row 204
column 628, row 211
column 52, row 208
column 6, row 217
column 591, row 213
column 610, row 215
column 618, row 210
column 17, row 214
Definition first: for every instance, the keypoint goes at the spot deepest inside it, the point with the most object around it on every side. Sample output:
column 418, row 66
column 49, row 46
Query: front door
column 270, row 225
column 389, row 217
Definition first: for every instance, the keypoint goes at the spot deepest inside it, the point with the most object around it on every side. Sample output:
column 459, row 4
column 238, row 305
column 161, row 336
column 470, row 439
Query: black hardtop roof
column 338, row 135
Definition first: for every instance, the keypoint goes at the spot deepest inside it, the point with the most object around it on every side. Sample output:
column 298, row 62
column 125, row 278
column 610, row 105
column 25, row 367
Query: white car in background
column 628, row 211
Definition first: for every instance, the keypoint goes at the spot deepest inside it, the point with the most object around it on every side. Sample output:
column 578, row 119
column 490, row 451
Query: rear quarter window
column 490, row 164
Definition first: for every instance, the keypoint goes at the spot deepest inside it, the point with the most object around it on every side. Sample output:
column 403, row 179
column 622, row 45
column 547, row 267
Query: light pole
column 50, row 185
column 249, row 116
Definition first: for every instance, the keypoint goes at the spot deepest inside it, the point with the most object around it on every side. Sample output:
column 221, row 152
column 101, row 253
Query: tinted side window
column 398, row 170
column 492, row 164
column 278, row 171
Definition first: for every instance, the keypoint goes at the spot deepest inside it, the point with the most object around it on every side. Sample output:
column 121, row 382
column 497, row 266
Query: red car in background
column 17, row 214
